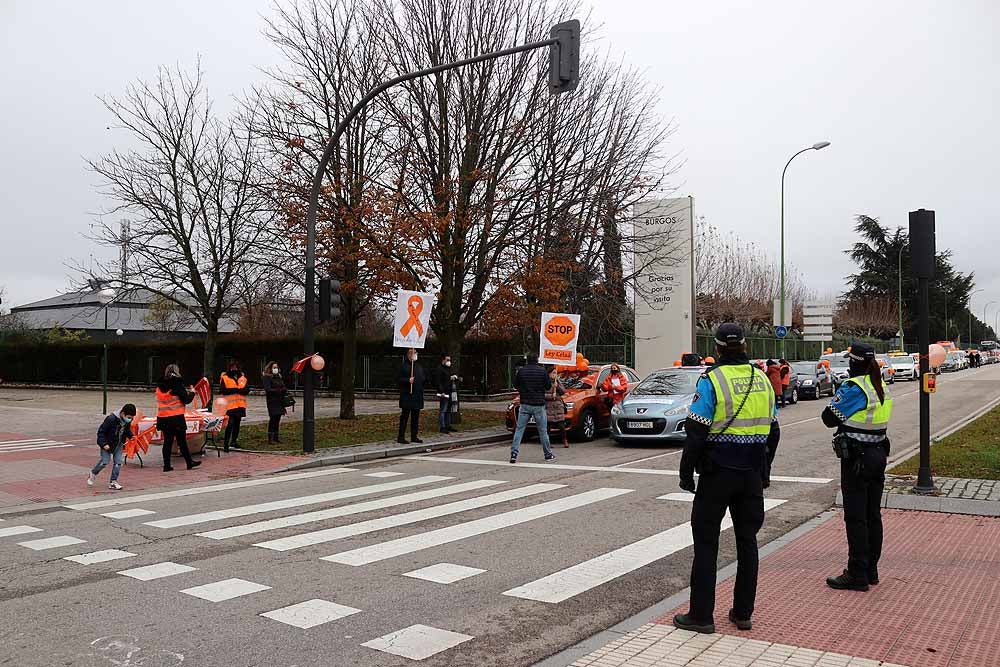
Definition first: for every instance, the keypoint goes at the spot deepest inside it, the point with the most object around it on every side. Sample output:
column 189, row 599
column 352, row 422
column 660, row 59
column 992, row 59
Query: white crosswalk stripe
column 417, row 642
column 18, row 530
column 13, row 446
column 102, row 556
column 287, row 503
column 51, row 542
column 407, row 518
column 421, row 541
column 310, row 613
column 157, row 571
column 219, row 591
column 572, row 581
column 346, row 510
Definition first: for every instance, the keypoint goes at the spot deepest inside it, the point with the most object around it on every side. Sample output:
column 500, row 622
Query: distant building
column 139, row 313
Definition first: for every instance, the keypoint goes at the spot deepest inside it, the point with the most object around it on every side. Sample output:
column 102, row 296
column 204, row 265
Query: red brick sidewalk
column 44, row 475
column 938, row 603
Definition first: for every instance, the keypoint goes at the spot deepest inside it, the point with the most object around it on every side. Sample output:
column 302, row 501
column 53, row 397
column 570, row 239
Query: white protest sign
column 413, row 315
column 558, row 337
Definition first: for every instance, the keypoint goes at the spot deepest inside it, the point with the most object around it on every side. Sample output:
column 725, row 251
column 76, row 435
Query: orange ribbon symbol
column 414, row 306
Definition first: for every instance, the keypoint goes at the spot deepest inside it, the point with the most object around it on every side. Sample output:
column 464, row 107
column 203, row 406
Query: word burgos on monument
column 659, row 220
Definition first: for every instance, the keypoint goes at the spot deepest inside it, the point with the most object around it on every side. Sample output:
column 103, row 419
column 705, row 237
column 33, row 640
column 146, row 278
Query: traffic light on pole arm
column 329, row 299
column 564, row 57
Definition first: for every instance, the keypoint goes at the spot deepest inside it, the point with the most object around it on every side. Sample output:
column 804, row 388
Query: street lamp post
column 815, row 147
column 564, row 71
column 970, row 313
column 902, row 345
column 105, row 296
column 988, row 304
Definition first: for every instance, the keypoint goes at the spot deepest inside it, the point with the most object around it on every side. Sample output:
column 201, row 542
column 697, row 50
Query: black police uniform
column 862, row 482
column 732, row 476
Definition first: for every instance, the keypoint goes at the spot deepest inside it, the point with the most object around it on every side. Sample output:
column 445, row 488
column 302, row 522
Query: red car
column 587, row 413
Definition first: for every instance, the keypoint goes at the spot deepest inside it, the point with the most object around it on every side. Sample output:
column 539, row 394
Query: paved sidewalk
column 948, row 487
column 58, row 473
column 938, row 605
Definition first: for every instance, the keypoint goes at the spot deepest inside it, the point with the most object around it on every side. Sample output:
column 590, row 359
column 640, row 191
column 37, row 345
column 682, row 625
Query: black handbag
column 288, row 401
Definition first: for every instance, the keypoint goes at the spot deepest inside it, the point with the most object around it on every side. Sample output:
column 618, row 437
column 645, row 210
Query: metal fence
column 793, row 349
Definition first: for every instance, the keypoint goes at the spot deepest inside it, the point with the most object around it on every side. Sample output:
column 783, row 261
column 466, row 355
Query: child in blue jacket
column 111, row 438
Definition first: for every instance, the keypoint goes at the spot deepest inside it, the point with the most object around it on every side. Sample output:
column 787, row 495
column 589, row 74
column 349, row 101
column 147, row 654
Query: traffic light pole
column 308, row 335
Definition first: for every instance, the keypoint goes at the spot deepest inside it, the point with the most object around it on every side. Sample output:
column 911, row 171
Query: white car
column 905, row 366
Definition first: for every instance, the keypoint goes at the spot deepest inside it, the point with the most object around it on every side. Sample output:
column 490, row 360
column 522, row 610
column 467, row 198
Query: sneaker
column 193, row 465
column 847, row 582
column 550, row 457
column 741, row 623
column 513, row 459
column 90, row 479
column 685, row 622
column 115, row 486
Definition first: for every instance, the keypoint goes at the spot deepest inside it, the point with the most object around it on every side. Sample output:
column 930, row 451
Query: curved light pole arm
column 782, row 286
column 308, row 337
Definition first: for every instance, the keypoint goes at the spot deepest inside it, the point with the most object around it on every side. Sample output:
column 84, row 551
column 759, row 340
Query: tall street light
column 902, row 247
column 564, row 72
column 988, row 304
column 970, row 313
column 105, row 296
column 815, row 147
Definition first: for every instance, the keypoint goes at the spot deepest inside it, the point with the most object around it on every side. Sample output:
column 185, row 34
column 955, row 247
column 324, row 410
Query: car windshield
column 804, row 368
column 954, row 356
column 836, row 361
column 667, row 383
column 575, row 381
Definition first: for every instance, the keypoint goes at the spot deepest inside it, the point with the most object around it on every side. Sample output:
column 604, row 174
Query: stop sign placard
column 559, row 334
column 560, row 330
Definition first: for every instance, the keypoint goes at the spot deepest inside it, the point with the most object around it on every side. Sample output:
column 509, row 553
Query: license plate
column 641, row 425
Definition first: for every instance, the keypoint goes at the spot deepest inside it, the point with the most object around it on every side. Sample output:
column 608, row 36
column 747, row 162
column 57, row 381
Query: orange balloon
column 936, row 355
column 709, row 361
column 677, row 363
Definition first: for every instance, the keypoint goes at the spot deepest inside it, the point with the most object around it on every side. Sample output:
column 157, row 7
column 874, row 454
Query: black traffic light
column 564, row 57
column 329, row 299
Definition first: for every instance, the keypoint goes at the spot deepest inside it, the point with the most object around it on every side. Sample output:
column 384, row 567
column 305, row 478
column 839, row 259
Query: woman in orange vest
column 172, row 394
column 234, row 388
column 616, row 385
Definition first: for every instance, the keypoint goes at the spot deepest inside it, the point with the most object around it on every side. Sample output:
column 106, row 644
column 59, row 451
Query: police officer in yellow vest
column 732, row 436
column 860, row 412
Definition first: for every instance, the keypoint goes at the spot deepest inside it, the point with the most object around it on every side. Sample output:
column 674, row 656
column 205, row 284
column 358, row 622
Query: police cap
column 729, row 333
column 860, row 352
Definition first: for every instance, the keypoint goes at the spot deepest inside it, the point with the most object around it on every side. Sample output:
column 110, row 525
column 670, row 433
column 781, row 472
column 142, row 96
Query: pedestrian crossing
column 30, row 445
column 393, row 532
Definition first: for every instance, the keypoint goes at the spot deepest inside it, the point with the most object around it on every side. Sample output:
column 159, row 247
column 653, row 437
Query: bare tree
column 189, row 189
column 332, row 59
column 165, row 316
column 874, row 317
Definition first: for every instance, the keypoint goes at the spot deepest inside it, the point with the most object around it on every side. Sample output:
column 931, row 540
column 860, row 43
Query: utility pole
column 564, row 72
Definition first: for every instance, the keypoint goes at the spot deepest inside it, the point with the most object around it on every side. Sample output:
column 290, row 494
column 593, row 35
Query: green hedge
column 141, row 363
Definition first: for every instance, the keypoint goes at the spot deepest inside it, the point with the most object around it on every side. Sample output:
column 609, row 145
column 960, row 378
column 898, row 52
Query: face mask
column 275, row 371
column 413, row 358
column 447, row 364
column 127, row 420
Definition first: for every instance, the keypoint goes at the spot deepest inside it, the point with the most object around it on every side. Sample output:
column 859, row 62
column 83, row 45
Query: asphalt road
column 559, row 550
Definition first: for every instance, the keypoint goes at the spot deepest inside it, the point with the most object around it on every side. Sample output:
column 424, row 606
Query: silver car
column 655, row 409
column 905, row 367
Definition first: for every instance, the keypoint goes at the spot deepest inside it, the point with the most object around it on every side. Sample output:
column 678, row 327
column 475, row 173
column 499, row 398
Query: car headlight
column 570, row 405
column 679, row 410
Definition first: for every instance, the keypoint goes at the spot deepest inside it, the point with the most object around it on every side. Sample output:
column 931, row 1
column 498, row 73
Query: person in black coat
column 172, row 394
column 275, row 391
column 446, row 383
column 410, row 380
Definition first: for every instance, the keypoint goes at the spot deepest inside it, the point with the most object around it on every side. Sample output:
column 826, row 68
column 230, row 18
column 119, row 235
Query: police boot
column 873, row 576
column 685, row 622
column 847, row 582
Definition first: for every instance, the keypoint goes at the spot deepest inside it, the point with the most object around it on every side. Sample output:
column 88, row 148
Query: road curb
column 401, row 450
column 943, row 504
column 570, row 655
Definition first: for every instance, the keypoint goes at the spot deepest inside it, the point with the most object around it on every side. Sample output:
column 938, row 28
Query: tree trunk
column 208, row 361
column 350, row 353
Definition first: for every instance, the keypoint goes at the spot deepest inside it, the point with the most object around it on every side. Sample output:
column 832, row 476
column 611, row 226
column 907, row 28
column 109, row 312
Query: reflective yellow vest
column 870, row 424
column 753, row 423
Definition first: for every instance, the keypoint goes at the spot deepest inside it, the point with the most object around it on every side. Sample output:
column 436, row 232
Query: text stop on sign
column 558, row 339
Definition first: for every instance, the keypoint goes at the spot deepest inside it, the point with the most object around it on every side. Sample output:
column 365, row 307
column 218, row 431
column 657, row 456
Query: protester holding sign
column 411, row 380
column 616, row 385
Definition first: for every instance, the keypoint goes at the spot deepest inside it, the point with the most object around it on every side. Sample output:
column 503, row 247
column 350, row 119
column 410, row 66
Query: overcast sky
column 907, row 92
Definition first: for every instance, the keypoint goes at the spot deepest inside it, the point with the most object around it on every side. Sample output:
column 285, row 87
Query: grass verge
column 332, row 432
column 971, row 452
